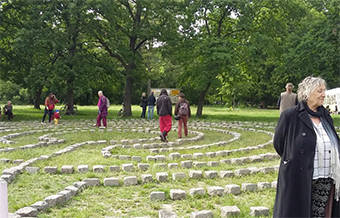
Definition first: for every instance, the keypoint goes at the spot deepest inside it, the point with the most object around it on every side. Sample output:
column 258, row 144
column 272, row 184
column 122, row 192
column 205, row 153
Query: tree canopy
column 234, row 52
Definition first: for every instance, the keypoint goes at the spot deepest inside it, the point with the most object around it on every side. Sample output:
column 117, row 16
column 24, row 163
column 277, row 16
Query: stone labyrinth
column 75, row 170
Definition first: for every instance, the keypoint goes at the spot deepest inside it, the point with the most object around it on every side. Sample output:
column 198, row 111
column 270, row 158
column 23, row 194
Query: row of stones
column 226, row 211
column 160, row 176
column 178, row 194
column 51, row 141
column 9, row 174
column 5, row 139
column 106, row 152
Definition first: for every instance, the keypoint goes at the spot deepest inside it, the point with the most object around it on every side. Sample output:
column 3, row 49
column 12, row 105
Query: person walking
column 50, row 102
column 164, row 111
column 182, row 110
column 287, row 99
column 8, row 110
column 102, row 109
column 143, row 104
column 308, row 183
column 151, row 105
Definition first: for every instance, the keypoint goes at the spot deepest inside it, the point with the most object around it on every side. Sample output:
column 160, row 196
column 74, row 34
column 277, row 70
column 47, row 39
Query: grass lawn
column 134, row 201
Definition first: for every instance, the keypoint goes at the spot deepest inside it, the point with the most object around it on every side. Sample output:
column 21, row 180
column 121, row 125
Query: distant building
column 172, row 92
column 332, row 100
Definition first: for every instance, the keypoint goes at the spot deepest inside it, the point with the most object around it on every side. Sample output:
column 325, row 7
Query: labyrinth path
column 76, row 170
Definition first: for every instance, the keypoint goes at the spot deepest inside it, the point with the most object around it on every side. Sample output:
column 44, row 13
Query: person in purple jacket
column 102, row 109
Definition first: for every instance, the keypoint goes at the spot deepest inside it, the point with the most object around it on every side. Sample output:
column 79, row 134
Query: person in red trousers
column 182, row 110
column 164, row 111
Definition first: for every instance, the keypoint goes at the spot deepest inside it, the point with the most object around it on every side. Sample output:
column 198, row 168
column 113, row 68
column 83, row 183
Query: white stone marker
column 3, row 199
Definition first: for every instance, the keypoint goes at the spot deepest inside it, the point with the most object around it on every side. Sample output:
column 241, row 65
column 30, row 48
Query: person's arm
column 176, row 108
column 280, row 134
column 189, row 110
column 296, row 100
column 46, row 102
column 157, row 105
column 170, row 106
column 278, row 102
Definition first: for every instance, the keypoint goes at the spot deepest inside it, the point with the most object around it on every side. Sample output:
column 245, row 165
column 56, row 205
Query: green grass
column 134, row 201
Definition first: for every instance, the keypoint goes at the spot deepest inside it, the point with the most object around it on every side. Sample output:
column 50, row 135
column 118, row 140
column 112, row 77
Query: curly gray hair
column 308, row 85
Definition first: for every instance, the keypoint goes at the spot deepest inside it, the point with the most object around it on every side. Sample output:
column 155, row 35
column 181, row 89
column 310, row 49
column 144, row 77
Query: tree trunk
column 203, row 93
column 70, row 98
column 37, row 97
column 127, row 97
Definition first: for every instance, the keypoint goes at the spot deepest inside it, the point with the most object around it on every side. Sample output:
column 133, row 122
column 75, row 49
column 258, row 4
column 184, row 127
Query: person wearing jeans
column 151, row 105
column 50, row 102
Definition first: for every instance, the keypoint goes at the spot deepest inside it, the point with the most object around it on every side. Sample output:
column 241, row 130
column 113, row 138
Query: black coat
column 295, row 142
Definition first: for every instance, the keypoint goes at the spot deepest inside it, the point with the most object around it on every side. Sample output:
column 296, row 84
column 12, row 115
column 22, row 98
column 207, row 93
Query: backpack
column 183, row 109
column 107, row 103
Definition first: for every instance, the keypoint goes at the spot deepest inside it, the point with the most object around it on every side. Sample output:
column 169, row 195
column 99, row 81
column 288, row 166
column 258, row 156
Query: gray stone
column 162, row 176
column 157, row 196
column 178, row 176
column 215, row 190
column 210, row 174
column 198, row 155
column 259, row 211
column 80, row 185
column 213, row 163
column 250, row 187
column 242, row 172
column 166, row 214
column 73, row 189
column 5, row 160
column 53, row 200
column 172, row 165
column 27, row 212
column 143, row 166
column 199, row 164
column 18, row 161
column 186, row 156
column 137, row 158
column 195, row 174
column 98, row 168
column 128, row 167
column 32, row 170
column 210, row 154
column 186, row 164
column 83, row 168
column 226, row 174
column 202, row 214
column 177, row 194
column 274, row 184
column 174, row 156
column 146, row 178
column 267, row 170
column 124, row 157
column 230, row 211
column 160, row 158
column 197, row 191
column 232, row 189
column 67, row 194
column 40, row 205
column 221, row 153
column 150, row 158
column 67, row 169
column 161, row 165
column 92, row 181
column 111, row 181
column 263, row 185
column 114, row 168
column 130, row 180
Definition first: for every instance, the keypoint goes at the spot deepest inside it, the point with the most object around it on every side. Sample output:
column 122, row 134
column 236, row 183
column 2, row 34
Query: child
column 8, row 110
column 56, row 116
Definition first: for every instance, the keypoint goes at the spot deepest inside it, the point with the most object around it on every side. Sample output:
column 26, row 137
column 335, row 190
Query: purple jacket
column 102, row 108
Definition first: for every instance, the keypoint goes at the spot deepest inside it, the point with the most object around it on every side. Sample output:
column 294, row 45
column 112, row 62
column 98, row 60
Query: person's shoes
column 162, row 137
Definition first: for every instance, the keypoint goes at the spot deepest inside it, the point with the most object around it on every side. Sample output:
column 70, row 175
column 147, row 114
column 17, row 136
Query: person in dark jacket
column 164, row 111
column 102, row 109
column 309, row 175
column 143, row 104
column 182, row 110
column 151, row 105
column 9, row 110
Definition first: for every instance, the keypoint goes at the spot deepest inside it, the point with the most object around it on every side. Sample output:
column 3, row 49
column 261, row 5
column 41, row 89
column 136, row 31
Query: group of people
column 308, row 183
column 147, row 102
column 7, row 110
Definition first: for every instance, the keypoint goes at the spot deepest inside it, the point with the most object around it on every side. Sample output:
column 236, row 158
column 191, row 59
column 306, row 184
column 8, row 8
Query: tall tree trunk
column 200, row 104
column 37, row 97
column 70, row 98
column 128, row 96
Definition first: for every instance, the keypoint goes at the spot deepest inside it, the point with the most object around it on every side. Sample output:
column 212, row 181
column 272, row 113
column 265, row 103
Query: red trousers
column 99, row 117
column 165, row 123
column 184, row 121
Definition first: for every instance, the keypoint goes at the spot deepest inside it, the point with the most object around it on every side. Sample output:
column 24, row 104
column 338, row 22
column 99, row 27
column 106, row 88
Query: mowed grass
column 134, row 201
